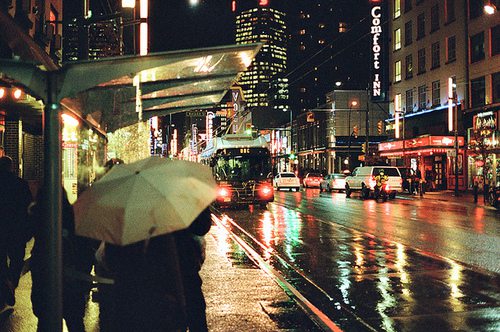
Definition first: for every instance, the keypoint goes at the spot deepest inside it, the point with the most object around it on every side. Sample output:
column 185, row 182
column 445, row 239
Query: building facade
column 439, row 49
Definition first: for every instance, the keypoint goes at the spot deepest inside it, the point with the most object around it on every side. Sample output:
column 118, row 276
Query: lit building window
column 397, row 8
column 397, row 71
column 397, row 39
column 342, row 27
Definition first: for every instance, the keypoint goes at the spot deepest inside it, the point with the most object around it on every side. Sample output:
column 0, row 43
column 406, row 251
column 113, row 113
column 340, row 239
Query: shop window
column 495, row 40
column 397, row 71
column 436, row 93
column 495, row 83
column 397, row 39
column 477, row 47
column 434, row 18
column 422, row 97
column 409, row 100
column 451, row 49
column 478, row 92
column 421, row 61
column 450, row 11
column 435, row 54
column 408, row 33
column 420, row 26
column 409, row 66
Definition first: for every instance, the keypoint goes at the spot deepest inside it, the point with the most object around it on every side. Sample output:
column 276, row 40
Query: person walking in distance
column 14, row 228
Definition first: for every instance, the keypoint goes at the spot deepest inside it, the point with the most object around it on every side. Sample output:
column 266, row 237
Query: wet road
column 405, row 265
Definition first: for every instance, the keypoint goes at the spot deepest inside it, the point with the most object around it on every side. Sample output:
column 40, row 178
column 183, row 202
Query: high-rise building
column 264, row 84
column 92, row 32
column 328, row 45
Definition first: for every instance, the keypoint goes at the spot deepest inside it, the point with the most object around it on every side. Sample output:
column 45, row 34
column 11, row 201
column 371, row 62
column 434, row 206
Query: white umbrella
column 150, row 197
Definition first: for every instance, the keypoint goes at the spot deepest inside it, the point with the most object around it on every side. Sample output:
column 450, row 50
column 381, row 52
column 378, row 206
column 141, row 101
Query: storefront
column 434, row 156
column 483, row 158
column 83, row 154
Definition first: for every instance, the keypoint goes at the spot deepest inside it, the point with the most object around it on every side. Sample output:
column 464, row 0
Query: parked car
column 286, row 180
column 362, row 179
column 312, row 180
column 333, row 181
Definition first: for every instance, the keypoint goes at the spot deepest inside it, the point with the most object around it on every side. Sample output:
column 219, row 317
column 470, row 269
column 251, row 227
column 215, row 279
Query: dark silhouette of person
column 78, row 258
column 14, row 230
column 191, row 249
column 147, row 293
column 157, row 286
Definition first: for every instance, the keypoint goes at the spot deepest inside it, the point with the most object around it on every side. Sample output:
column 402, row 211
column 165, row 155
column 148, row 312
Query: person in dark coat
column 157, row 286
column 78, row 258
column 191, row 248
column 147, row 293
column 15, row 199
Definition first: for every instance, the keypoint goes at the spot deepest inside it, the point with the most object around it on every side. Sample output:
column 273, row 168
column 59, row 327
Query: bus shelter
column 152, row 85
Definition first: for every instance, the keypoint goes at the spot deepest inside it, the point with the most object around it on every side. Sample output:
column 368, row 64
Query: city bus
column 241, row 166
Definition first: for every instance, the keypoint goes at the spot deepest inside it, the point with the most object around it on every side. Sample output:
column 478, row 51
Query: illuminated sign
column 420, row 142
column 485, row 121
column 377, row 74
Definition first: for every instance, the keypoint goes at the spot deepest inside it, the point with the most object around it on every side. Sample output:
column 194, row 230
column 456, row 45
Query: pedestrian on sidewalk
column 78, row 258
column 14, row 229
column 475, row 188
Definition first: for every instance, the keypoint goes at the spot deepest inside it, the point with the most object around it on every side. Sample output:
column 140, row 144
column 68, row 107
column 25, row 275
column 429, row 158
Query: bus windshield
column 241, row 167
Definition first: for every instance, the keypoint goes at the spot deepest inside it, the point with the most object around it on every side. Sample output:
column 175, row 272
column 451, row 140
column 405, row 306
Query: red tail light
column 223, row 192
column 266, row 190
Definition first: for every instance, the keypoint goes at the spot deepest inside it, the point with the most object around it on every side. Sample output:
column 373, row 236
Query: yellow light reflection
column 388, row 300
column 267, row 232
column 455, row 281
column 246, row 58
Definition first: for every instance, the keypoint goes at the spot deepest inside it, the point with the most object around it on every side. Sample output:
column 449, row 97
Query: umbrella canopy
column 150, row 197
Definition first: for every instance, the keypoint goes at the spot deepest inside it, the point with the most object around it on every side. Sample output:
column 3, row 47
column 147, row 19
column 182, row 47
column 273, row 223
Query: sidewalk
column 464, row 197
column 239, row 296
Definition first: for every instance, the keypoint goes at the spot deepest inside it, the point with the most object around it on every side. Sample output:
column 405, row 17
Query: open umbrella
column 150, row 197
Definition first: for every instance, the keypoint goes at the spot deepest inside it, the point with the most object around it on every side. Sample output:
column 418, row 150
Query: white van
column 363, row 179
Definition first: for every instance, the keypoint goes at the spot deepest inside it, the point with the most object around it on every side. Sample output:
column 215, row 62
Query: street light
column 352, row 104
column 490, row 8
column 453, row 123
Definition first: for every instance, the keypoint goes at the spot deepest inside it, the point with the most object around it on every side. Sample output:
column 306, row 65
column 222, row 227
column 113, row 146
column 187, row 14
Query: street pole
column 367, row 125
column 349, row 140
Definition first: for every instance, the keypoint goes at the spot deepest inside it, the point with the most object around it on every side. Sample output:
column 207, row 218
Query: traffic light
column 363, row 147
column 355, row 131
column 380, row 127
column 292, row 156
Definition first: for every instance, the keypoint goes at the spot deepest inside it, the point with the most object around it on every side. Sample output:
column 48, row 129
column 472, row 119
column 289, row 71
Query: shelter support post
column 52, row 229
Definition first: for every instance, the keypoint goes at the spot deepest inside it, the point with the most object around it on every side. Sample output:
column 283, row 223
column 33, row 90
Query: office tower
column 264, row 84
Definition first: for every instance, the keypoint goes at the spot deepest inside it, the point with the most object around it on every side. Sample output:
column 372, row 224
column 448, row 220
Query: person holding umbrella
column 149, row 213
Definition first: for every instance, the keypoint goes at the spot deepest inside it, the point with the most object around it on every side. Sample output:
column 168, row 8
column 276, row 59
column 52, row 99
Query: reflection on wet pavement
column 365, row 283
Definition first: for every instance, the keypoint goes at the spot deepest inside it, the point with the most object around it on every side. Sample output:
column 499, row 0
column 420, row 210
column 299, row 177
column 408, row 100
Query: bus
column 241, row 166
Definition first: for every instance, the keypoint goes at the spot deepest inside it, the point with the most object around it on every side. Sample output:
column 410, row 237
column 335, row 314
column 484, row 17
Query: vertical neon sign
column 377, row 68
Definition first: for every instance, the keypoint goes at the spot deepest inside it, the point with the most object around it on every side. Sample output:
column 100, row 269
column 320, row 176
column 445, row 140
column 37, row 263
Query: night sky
column 175, row 25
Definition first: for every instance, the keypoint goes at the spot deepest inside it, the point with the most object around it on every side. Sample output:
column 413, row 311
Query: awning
column 171, row 82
